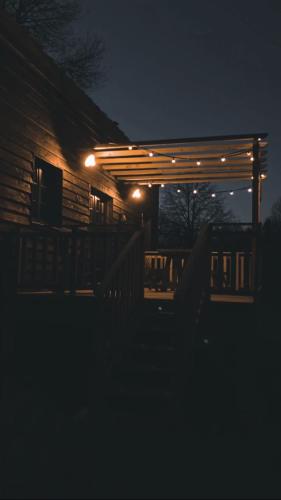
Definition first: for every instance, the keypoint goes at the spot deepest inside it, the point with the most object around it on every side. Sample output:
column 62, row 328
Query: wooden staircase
column 142, row 383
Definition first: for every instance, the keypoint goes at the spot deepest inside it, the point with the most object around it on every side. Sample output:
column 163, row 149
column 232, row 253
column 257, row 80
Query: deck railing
column 66, row 260
column 231, row 263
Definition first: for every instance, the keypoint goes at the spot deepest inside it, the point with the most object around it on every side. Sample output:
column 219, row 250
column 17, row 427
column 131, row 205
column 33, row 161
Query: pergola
column 189, row 160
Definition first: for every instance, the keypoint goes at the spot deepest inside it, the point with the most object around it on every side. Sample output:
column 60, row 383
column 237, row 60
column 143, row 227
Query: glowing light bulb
column 249, row 153
column 130, row 148
column 263, row 176
column 213, row 195
column 231, row 193
column 150, row 185
column 198, row 163
column 252, row 158
column 173, row 160
column 178, row 190
column 250, row 190
column 223, row 159
column 195, row 191
column 136, row 194
column 151, row 154
column 259, row 139
column 90, row 161
column 162, row 185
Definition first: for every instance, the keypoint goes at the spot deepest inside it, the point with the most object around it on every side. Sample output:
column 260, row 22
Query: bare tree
column 183, row 210
column 52, row 23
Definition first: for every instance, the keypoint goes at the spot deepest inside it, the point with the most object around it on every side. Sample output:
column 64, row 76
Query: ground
column 227, row 445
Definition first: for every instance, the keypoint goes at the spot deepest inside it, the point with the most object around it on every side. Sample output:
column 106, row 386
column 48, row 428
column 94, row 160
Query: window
column 46, row 193
column 100, row 207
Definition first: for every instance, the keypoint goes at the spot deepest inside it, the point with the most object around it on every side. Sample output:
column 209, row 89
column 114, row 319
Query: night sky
column 184, row 68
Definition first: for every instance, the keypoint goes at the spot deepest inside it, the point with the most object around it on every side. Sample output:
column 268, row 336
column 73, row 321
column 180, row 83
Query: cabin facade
column 47, row 125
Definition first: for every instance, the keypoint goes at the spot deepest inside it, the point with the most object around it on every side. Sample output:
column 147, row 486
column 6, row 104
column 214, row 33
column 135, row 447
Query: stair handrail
column 190, row 298
column 196, row 274
column 136, row 241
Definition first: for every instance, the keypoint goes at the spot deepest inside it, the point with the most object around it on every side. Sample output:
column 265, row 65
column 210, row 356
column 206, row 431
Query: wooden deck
column 169, row 295
column 154, row 295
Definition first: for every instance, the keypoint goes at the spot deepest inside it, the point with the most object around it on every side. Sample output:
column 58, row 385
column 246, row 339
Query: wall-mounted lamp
column 90, row 161
column 137, row 194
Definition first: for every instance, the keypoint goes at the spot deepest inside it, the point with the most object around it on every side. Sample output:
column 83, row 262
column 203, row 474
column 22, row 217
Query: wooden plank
column 14, row 152
column 191, row 151
column 12, row 206
column 75, row 216
column 76, row 198
column 76, row 181
column 179, row 178
column 12, row 194
column 18, row 184
column 75, row 207
column 148, row 161
column 7, row 216
column 181, row 171
column 76, row 190
column 190, row 181
column 17, row 172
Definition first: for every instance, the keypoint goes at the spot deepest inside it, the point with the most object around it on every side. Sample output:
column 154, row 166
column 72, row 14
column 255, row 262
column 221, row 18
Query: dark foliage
column 51, row 22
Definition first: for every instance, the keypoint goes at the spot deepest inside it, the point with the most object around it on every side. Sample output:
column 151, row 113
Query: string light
column 198, row 163
column 178, row 190
column 263, row 176
column 151, row 154
column 173, row 160
column 231, row 193
column 223, row 159
column 213, row 195
column 162, row 185
column 150, row 185
column 195, row 191
column 249, row 153
column 252, row 158
column 130, row 148
column 250, row 190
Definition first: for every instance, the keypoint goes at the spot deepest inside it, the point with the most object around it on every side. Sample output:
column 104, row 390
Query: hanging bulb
column 162, row 185
column 150, row 185
column 249, row 153
column 198, row 163
column 151, row 154
column 223, row 159
column 252, row 158
column 263, row 176
column 213, row 195
column 250, row 190
column 178, row 190
column 231, row 193
column 173, row 160
column 195, row 191
column 130, row 148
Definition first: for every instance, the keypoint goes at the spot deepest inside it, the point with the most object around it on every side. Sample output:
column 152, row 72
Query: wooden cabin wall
column 43, row 114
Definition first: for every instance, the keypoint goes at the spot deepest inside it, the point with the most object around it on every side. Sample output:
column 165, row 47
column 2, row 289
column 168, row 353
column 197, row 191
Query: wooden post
column 155, row 217
column 256, row 194
column 256, row 199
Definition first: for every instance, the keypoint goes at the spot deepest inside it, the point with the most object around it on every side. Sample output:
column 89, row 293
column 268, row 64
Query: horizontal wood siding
column 43, row 114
